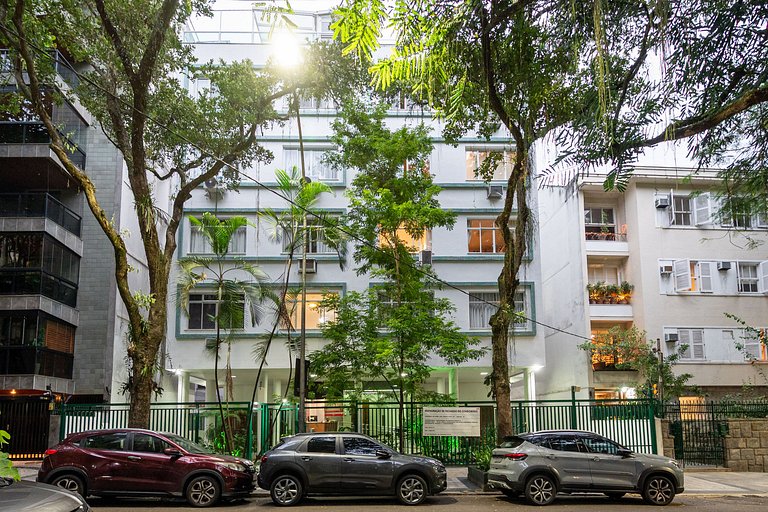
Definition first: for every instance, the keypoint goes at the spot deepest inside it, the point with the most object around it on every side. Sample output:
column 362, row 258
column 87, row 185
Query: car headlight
column 233, row 466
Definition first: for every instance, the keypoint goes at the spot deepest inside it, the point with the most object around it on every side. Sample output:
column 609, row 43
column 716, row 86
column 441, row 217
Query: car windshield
column 187, row 444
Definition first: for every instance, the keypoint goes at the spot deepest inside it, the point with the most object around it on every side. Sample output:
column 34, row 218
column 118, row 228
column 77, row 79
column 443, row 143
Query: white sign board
column 452, row 421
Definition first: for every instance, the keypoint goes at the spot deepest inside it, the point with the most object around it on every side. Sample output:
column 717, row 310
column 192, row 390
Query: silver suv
column 541, row 464
column 346, row 463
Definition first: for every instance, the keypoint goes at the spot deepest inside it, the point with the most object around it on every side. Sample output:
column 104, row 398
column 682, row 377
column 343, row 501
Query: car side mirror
column 624, row 452
column 383, row 454
column 173, row 452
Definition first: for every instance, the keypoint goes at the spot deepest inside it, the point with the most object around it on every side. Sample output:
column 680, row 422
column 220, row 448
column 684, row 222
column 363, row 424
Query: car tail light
column 516, row 456
column 264, row 459
column 49, row 451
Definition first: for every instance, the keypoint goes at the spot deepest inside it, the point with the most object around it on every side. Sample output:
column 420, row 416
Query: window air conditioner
column 311, row 266
column 671, row 337
column 210, row 343
column 723, row 265
column 665, row 269
column 425, row 257
column 495, row 192
column 661, row 202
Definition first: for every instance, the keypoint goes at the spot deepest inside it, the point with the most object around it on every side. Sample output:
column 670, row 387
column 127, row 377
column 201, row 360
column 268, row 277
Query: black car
column 345, row 463
column 26, row 496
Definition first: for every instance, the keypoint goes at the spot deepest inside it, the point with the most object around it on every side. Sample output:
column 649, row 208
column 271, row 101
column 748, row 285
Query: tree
column 6, row 466
column 485, row 65
column 215, row 274
column 695, row 73
column 388, row 332
column 629, row 350
column 132, row 58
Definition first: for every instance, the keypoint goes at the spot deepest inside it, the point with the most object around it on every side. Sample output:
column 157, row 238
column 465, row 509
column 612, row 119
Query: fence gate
column 698, row 431
column 26, row 419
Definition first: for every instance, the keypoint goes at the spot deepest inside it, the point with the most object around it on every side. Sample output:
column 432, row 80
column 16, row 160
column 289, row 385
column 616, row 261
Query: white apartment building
column 469, row 256
column 690, row 266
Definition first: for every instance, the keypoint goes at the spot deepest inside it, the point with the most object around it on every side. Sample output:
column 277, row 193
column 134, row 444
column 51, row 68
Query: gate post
column 249, row 435
column 63, row 422
column 652, row 424
column 573, row 408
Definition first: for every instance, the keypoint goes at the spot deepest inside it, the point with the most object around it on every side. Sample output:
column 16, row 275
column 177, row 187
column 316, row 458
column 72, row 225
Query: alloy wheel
column 412, row 490
column 540, row 490
column 286, row 490
column 203, row 492
column 659, row 491
column 70, row 483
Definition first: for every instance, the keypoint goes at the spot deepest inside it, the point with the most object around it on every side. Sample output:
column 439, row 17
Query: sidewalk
column 722, row 483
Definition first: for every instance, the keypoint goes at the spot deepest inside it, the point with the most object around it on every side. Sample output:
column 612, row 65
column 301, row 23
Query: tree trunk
column 140, row 400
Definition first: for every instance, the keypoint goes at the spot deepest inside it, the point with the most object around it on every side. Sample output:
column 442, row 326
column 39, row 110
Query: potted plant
column 596, row 292
column 625, row 292
column 612, row 293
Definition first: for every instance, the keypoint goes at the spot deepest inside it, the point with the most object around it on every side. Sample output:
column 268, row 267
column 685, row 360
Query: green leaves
column 6, row 466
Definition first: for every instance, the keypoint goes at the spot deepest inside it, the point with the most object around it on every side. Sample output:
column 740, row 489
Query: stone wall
column 746, row 445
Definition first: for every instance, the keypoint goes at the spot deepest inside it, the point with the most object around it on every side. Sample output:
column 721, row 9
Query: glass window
column 480, row 311
column 599, row 224
column 475, row 158
column 198, row 244
column 203, row 310
column 600, row 445
column 360, row 446
column 315, row 239
column 315, row 166
column 484, row 236
column 148, row 443
column 105, row 441
column 315, row 315
column 681, row 211
column 566, row 444
column 747, row 277
column 322, row 444
column 414, row 244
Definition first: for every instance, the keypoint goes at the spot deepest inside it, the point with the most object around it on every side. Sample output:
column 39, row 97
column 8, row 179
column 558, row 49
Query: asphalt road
column 455, row 503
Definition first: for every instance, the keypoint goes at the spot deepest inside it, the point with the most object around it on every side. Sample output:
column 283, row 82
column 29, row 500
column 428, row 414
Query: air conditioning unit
column 210, row 343
column 665, row 269
column 425, row 257
column 311, row 267
column 671, row 337
column 661, row 202
column 495, row 191
column 723, row 265
column 212, row 189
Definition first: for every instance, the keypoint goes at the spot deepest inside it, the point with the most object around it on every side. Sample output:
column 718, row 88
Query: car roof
column 115, row 431
column 561, row 431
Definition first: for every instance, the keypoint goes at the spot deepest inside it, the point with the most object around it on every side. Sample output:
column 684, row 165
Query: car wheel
column 203, row 491
column 411, row 490
column 286, row 490
column 615, row 495
column 540, row 490
column 71, row 483
column 658, row 490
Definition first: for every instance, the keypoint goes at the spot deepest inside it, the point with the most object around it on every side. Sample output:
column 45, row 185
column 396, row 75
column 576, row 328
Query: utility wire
column 306, row 211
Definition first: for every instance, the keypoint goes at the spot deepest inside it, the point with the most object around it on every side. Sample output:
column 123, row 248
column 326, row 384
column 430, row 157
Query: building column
column 210, row 390
column 182, row 386
column 530, row 384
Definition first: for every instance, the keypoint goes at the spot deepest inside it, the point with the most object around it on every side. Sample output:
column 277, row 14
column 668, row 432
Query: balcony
column 40, row 205
column 37, row 282
column 606, row 241
column 35, row 133
column 25, row 360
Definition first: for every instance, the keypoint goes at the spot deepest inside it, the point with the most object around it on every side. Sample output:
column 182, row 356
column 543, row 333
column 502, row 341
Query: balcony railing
column 37, row 282
column 40, row 205
column 606, row 233
column 61, row 65
column 25, row 360
column 15, row 132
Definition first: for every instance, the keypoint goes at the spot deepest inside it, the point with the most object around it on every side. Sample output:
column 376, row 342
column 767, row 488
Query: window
column 599, row 224
column 475, row 157
column 315, row 239
column 203, row 310
column 198, row 244
column 693, row 340
column 747, row 277
column 484, row 236
column 148, row 443
column 602, row 356
column 680, row 212
column 414, row 244
column 566, row 444
column 105, row 441
column 754, row 341
column 480, row 311
column 600, row 445
column 692, row 276
column 322, row 444
column 600, row 273
column 360, row 446
column 316, row 316
column 315, row 166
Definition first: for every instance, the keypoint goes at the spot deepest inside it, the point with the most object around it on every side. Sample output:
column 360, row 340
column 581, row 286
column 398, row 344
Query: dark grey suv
column 345, row 463
column 541, row 464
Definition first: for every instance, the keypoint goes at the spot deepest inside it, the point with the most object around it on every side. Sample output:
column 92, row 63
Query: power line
column 306, row 211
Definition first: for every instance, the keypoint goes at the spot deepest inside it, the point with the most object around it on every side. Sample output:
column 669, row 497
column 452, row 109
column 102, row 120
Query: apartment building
column 693, row 272
column 469, row 256
column 62, row 323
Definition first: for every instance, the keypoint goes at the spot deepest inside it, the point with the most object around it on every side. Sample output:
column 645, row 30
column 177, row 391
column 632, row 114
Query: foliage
column 751, row 334
column 6, row 466
column 630, row 350
column 482, row 455
column 216, row 436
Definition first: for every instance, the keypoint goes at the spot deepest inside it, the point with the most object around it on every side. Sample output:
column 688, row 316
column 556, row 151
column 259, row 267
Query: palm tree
column 215, row 274
column 287, row 226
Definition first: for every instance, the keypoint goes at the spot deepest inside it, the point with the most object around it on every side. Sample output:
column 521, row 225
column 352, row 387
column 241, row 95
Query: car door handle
column 306, row 457
column 552, row 457
column 595, row 459
column 134, row 458
column 347, row 459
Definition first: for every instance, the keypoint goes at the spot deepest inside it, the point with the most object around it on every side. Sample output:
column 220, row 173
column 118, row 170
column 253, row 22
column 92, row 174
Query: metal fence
column 256, row 429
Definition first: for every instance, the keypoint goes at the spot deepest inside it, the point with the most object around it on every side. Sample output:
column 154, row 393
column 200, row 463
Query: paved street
column 459, row 503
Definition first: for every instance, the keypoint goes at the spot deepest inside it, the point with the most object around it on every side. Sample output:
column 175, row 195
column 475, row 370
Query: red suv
column 134, row 462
